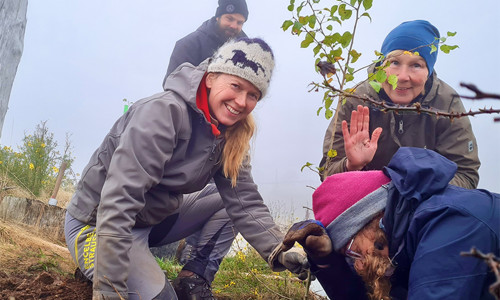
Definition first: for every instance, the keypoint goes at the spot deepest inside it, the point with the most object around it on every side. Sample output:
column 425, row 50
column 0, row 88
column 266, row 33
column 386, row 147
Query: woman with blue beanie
column 367, row 138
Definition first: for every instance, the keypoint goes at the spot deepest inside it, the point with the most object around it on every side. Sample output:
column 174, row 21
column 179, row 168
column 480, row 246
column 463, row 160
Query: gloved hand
column 312, row 235
column 295, row 260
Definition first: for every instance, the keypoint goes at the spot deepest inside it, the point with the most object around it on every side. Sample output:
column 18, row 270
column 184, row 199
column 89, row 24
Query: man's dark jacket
column 197, row 46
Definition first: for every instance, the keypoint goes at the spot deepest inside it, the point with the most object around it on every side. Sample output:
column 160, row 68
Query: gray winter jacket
column 197, row 46
column 452, row 139
column 161, row 148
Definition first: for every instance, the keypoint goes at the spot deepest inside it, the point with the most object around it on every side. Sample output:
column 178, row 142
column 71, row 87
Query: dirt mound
column 43, row 285
column 33, row 266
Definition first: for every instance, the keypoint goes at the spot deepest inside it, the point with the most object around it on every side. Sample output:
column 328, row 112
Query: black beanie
column 232, row 7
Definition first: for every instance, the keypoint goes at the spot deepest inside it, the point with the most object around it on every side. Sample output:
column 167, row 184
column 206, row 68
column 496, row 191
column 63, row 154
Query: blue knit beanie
column 411, row 35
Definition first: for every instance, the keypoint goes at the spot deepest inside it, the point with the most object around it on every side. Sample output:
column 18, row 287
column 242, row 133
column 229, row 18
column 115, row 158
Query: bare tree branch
column 493, row 262
column 479, row 94
column 416, row 107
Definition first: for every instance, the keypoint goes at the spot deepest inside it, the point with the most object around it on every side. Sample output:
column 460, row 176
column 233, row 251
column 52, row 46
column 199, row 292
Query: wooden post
column 59, row 179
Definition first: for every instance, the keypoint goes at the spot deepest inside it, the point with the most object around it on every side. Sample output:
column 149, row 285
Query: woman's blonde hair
column 237, row 147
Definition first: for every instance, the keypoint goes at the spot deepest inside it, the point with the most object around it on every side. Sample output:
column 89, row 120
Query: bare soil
column 34, row 267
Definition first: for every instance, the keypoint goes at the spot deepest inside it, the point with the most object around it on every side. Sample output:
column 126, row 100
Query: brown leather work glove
column 312, row 235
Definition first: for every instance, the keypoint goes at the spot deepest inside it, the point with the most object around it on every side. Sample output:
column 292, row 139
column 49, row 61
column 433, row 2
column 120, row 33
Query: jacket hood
column 416, row 174
column 185, row 81
column 419, row 173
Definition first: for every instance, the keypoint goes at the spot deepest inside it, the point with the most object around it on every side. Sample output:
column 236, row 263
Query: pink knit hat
column 346, row 202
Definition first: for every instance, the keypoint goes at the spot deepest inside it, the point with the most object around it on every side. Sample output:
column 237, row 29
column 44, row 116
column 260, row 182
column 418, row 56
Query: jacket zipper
column 400, row 127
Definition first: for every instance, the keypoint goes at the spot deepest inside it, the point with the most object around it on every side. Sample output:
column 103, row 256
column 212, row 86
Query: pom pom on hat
column 232, row 7
column 415, row 35
column 250, row 59
column 346, row 202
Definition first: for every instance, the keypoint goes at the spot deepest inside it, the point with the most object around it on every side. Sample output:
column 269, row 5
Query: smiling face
column 231, row 24
column 412, row 74
column 231, row 98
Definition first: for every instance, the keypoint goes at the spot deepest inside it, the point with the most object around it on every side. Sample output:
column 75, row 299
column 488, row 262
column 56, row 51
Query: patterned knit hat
column 346, row 202
column 410, row 36
column 250, row 59
column 232, row 7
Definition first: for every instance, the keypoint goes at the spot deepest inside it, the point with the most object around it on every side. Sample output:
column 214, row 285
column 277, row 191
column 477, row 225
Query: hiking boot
column 192, row 287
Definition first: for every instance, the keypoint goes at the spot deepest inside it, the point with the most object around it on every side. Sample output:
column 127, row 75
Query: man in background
column 202, row 43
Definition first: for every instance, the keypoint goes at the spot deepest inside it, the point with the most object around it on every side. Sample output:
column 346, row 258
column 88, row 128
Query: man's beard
column 227, row 32
column 376, row 275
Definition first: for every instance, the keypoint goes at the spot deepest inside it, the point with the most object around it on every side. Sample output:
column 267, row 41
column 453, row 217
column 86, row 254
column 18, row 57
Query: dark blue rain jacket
column 428, row 224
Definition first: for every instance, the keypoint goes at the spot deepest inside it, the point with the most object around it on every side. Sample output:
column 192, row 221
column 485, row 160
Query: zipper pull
column 401, row 127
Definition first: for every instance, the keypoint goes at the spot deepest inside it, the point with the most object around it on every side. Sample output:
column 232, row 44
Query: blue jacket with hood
column 428, row 224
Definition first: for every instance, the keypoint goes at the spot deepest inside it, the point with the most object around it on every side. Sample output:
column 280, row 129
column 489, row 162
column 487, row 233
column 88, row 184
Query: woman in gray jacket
column 170, row 144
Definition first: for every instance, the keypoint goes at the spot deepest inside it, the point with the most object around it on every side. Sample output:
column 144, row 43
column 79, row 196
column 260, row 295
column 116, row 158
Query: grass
column 246, row 275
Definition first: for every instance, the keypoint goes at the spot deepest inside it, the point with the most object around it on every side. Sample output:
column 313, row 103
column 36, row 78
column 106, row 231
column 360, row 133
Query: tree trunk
column 12, row 27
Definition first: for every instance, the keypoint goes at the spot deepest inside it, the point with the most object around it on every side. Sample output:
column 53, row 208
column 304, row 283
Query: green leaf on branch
column 346, row 39
column 433, row 48
column 331, row 39
column 316, row 49
column 299, row 9
column 319, row 110
column 296, row 28
column 312, row 21
column 328, row 114
column 447, row 48
column 290, row 7
column 366, row 15
column 304, row 20
column 344, row 13
column 353, row 2
column 355, row 55
column 328, row 102
column 286, row 25
column 349, row 77
column 308, row 40
column 380, row 76
column 376, row 85
column 336, row 53
column 307, row 165
column 333, row 10
column 451, row 33
column 329, row 27
column 332, row 153
column 393, row 80
column 367, row 4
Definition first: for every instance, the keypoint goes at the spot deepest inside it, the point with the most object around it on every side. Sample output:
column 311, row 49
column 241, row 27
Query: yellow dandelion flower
column 1, row 162
column 408, row 53
column 232, row 283
column 55, row 169
column 32, row 166
column 43, row 145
